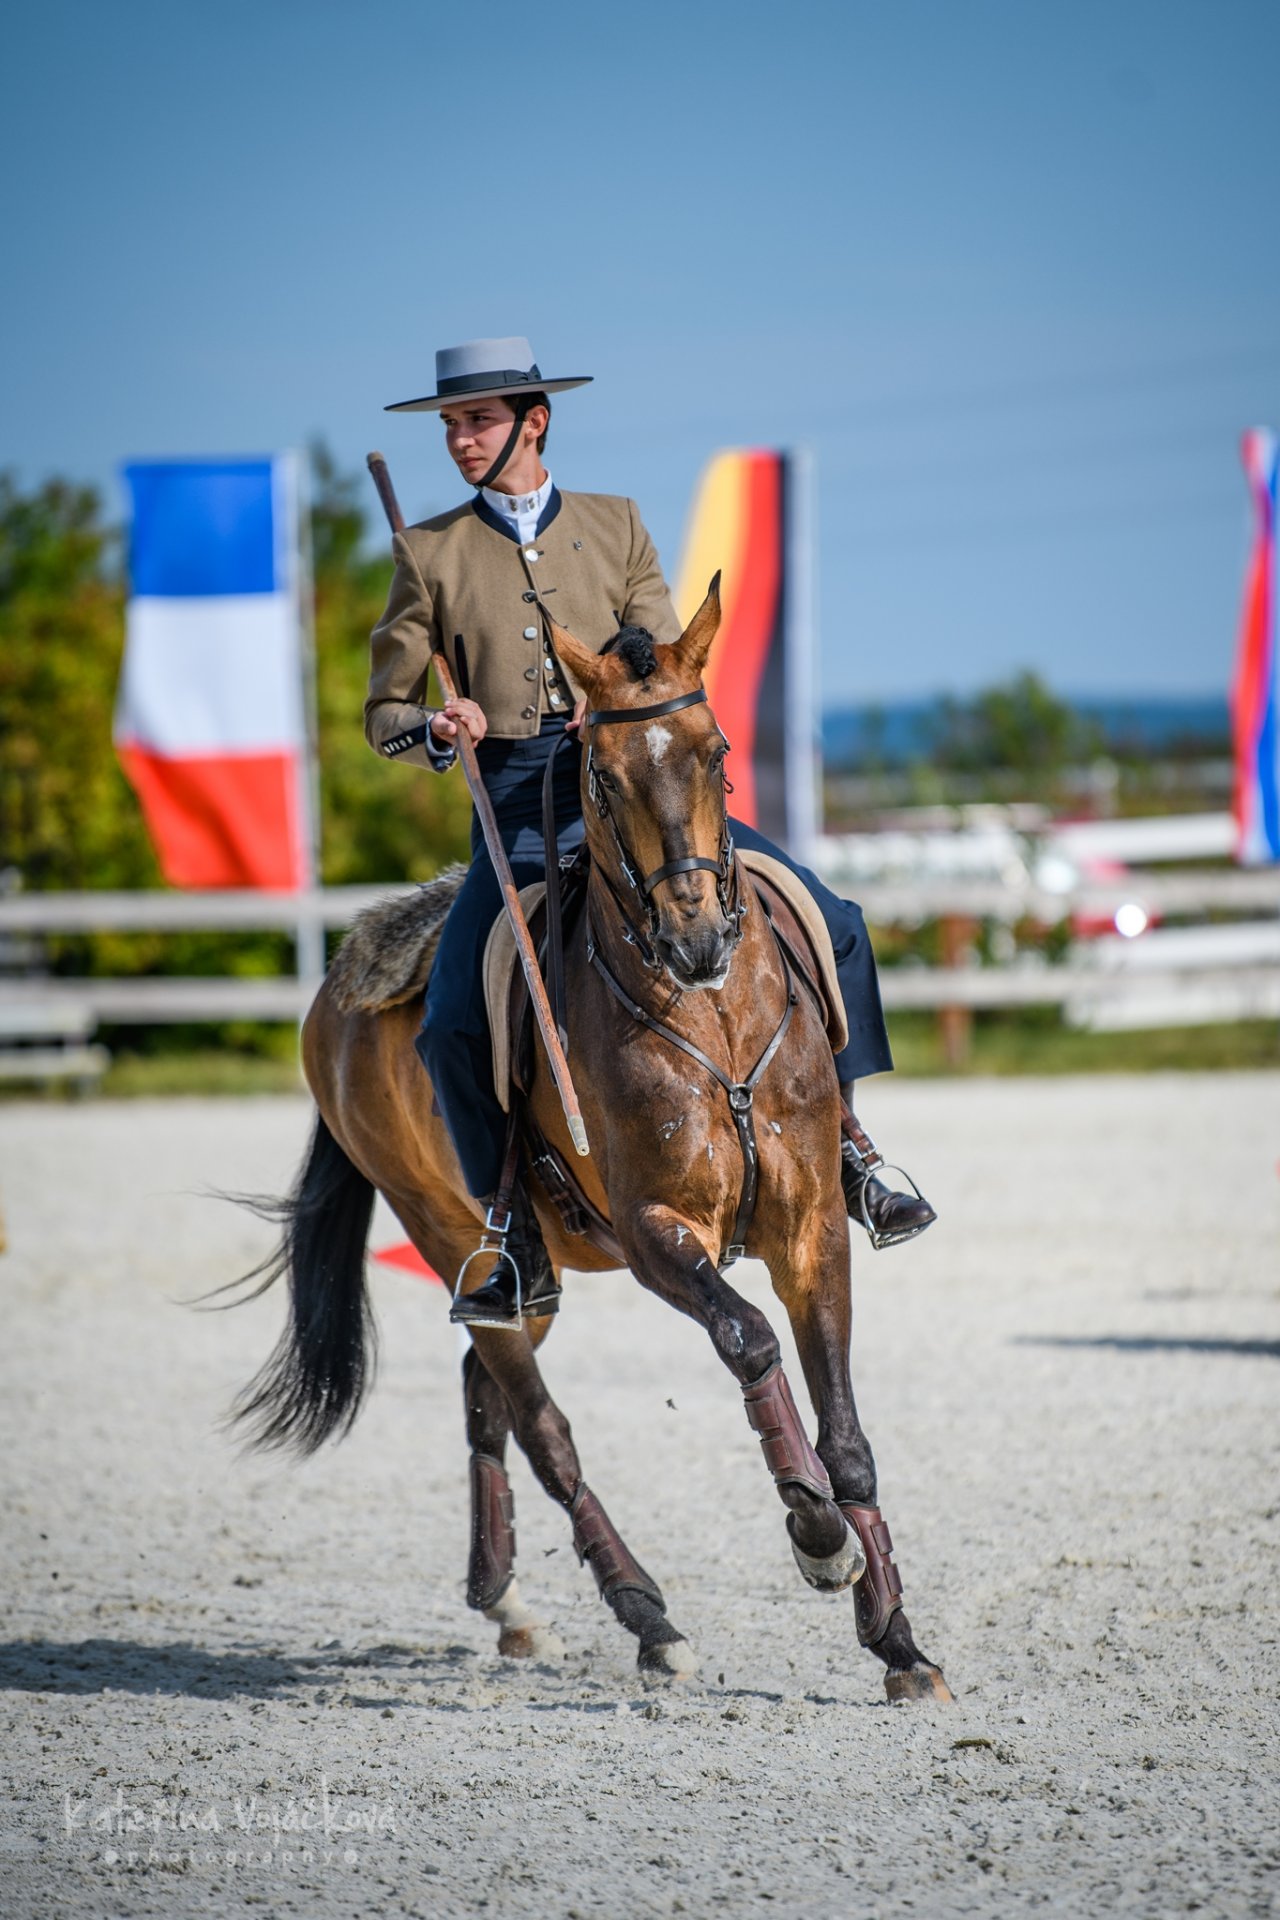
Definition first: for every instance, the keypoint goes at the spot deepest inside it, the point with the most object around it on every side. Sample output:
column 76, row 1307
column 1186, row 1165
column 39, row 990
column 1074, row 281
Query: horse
column 705, row 1074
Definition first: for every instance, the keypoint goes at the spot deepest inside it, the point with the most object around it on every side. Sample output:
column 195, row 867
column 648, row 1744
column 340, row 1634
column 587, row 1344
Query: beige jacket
column 595, row 568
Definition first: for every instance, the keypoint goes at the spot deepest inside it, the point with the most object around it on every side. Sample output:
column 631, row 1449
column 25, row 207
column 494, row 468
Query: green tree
column 67, row 815
column 1019, row 726
column 68, row 818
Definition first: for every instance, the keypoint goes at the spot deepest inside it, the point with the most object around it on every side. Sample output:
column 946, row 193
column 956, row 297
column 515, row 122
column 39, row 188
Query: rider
column 478, row 573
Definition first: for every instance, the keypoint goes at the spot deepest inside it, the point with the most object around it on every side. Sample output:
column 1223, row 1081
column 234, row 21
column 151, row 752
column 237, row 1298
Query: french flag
column 1255, row 701
column 211, row 712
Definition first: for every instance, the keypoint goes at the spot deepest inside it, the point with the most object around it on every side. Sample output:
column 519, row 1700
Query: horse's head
column 654, row 791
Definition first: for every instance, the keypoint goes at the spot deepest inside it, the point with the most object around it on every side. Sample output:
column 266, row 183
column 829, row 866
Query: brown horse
column 704, row 1069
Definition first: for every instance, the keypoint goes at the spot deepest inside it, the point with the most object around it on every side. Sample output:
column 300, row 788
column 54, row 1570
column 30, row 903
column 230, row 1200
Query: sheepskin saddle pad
column 386, row 957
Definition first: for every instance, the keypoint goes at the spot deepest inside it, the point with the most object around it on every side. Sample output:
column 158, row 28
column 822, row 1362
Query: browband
column 611, row 716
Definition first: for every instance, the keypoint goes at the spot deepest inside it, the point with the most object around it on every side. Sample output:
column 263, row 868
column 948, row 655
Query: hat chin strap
column 521, row 405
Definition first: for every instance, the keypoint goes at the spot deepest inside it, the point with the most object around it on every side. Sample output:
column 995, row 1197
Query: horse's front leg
column 668, row 1256
column 811, row 1278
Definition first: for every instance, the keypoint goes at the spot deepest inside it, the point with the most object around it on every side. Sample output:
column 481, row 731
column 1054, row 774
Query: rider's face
column 475, row 434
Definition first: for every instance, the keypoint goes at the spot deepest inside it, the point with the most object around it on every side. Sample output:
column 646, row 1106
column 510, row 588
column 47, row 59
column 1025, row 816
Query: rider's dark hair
column 538, row 399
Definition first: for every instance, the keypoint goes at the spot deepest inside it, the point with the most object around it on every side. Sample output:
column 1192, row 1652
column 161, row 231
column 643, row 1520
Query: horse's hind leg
column 492, row 1587
column 544, row 1436
column 815, row 1292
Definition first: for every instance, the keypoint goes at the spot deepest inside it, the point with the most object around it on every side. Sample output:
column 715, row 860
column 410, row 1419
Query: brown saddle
column 800, row 928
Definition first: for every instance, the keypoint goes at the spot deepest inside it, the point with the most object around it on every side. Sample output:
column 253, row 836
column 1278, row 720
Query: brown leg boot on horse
column 543, row 1433
column 492, row 1587
column 888, row 1214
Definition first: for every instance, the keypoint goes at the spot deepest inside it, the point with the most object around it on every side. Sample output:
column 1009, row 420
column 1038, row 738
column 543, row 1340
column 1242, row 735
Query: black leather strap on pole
column 555, row 918
column 464, row 671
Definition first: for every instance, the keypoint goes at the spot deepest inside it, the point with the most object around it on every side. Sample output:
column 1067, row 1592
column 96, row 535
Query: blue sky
column 1009, row 271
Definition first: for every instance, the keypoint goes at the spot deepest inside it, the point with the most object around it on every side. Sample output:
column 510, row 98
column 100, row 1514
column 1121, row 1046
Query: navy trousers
column 454, row 1039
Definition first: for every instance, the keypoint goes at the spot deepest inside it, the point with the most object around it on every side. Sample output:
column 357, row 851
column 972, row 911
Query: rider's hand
column 579, row 715
column 456, row 713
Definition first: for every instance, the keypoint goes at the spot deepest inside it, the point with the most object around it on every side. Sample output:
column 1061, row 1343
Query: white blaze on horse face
column 659, row 738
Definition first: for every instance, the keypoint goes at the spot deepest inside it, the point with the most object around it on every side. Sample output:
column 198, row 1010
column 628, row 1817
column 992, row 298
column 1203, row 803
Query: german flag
column 746, row 520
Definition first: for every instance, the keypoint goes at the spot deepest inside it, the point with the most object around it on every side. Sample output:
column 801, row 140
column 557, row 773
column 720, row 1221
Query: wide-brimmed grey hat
column 485, row 370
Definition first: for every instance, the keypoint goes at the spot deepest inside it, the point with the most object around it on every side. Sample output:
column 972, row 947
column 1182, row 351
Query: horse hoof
column 921, row 1682
column 521, row 1636
column 530, row 1643
column 838, row 1570
column 668, row 1660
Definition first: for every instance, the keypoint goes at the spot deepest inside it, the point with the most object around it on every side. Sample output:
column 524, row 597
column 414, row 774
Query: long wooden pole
column 498, row 855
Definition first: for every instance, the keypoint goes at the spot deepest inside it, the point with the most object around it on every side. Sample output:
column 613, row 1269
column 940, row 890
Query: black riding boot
column 888, row 1214
column 519, row 1250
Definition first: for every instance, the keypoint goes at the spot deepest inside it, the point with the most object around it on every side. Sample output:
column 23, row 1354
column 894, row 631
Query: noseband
column 644, row 888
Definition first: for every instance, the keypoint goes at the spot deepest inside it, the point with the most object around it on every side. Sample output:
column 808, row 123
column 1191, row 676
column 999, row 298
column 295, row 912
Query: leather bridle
column 728, row 892
column 733, row 903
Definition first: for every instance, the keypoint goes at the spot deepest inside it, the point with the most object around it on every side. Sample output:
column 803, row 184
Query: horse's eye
column 716, row 763
column 606, row 779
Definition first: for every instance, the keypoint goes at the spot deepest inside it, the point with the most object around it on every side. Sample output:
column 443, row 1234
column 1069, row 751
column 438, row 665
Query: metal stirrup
column 497, row 1228
column 493, row 1241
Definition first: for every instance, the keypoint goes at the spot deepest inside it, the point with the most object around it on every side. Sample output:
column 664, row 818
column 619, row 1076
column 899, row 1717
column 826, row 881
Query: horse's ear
column 580, row 661
column 694, row 643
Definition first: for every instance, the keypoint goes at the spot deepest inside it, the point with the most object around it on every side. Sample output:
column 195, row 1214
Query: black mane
column 635, row 644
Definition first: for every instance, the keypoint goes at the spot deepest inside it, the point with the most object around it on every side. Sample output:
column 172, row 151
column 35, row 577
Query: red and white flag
column 211, row 712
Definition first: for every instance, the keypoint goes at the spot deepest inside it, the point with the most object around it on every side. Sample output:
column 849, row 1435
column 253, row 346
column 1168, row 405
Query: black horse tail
column 313, row 1385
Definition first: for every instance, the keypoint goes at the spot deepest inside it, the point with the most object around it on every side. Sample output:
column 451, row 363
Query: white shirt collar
column 521, row 510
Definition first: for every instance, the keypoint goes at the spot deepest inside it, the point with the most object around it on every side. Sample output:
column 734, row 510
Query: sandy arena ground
column 232, row 1683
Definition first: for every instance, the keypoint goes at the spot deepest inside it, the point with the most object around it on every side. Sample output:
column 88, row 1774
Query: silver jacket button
column 531, row 633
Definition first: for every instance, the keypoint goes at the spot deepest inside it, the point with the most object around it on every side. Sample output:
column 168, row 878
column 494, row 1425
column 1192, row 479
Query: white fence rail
column 1182, row 997
column 230, row 912
column 888, row 902
column 1169, row 976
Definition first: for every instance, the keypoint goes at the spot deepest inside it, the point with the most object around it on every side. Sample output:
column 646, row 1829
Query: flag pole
column 802, row 759
column 310, row 939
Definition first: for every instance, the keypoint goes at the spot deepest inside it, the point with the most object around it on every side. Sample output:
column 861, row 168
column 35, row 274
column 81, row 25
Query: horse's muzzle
column 698, row 957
